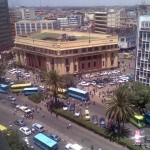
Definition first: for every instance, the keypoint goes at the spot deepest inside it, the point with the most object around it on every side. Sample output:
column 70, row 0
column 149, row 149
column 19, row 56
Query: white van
column 38, row 127
column 75, row 146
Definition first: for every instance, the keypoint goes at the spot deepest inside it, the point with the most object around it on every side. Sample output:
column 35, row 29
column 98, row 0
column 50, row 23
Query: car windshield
column 41, row 127
column 27, row 130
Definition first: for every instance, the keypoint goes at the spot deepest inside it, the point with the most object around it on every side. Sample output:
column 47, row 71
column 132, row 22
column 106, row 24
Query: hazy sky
column 74, row 2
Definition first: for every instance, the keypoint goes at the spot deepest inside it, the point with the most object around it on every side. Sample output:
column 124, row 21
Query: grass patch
column 36, row 98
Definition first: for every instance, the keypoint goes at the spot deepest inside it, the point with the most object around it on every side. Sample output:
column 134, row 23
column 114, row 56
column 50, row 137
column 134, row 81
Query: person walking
column 43, row 115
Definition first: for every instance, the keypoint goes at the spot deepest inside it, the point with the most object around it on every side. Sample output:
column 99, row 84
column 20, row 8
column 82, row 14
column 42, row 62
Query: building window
column 89, row 49
column 103, row 47
column 112, row 62
column 82, row 65
column 82, row 58
column 75, row 51
column 67, row 62
column 67, row 69
column 95, row 57
column 89, row 57
column 103, row 63
column 94, row 64
column 75, row 67
column 83, row 50
column 89, row 64
column 112, row 55
column 95, row 48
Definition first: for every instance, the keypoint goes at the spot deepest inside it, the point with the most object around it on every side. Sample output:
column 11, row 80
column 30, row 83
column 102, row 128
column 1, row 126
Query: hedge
column 36, row 98
column 96, row 129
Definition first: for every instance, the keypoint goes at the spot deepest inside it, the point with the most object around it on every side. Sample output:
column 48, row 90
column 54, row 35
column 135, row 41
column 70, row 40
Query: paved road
column 58, row 126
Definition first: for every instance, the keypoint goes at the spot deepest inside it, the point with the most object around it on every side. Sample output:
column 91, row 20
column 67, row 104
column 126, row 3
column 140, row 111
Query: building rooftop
column 52, row 39
column 33, row 21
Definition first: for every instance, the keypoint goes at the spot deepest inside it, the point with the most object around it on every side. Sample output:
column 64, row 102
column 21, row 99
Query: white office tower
column 142, row 72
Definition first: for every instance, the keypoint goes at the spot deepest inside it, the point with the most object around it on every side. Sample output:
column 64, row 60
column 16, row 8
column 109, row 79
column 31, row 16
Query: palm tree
column 68, row 80
column 54, row 80
column 119, row 108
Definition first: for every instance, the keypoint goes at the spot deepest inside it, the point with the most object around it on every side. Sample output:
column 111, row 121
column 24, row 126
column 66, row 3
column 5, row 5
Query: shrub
column 36, row 98
column 96, row 129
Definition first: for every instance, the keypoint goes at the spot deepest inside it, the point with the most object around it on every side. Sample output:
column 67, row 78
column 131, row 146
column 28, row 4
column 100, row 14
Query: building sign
column 145, row 28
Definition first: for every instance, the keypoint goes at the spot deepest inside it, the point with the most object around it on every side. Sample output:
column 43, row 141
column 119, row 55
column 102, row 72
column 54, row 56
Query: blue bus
column 78, row 94
column 4, row 88
column 31, row 90
column 44, row 142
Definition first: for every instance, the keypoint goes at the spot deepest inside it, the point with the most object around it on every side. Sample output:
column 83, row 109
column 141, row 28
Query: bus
column 44, row 142
column 62, row 93
column 147, row 117
column 78, row 94
column 20, row 87
column 138, row 121
column 4, row 88
column 32, row 90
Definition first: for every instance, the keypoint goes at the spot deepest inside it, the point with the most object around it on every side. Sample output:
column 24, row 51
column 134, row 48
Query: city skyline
column 60, row 3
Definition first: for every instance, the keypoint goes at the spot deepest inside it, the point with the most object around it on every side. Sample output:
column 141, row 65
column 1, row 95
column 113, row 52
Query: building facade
column 28, row 26
column 74, row 57
column 27, row 13
column 142, row 72
column 5, row 29
column 107, row 22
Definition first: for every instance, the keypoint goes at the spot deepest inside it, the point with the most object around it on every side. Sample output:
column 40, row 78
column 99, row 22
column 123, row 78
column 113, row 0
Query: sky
column 59, row 3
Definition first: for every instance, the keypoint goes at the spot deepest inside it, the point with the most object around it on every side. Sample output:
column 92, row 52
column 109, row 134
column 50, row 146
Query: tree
column 53, row 80
column 13, row 139
column 118, row 107
column 68, row 80
column 139, row 95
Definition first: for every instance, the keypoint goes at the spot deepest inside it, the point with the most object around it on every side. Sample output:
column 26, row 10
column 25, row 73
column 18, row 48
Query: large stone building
column 5, row 29
column 67, row 52
column 143, row 50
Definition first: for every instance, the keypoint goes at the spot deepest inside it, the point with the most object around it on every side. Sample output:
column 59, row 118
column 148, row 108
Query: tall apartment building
column 63, row 22
column 27, row 13
column 107, row 22
column 28, row 26
column 5, row 31
column 142, row 72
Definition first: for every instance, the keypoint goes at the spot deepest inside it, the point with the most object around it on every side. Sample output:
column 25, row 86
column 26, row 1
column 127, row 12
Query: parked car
column 83, row 83
column 100, row 85
column 102, row 122
column 72, row 108
column 20, row 122
column 11, row 98
column 65, row 106
column 147, row 141
column 54, row 137
column 25, row 130
column 87, row 115
column 14, row 104
column 77, row 113
column 95, row 119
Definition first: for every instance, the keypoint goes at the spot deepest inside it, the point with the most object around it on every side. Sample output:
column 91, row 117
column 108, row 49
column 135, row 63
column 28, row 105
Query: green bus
column 20, row 87
column 138, row 121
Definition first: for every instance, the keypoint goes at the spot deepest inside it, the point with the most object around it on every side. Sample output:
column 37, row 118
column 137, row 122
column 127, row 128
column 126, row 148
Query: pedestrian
column 56, row 115
column 10, row 123
column 43, row 116
column 3, row 101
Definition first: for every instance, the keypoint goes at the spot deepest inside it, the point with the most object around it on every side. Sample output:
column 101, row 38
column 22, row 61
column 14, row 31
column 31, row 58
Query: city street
column 59, row 126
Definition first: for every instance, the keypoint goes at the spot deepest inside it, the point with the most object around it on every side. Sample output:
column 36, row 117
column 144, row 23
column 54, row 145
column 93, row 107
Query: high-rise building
column 5, row 30
column 142, row 72
column 107, row 22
